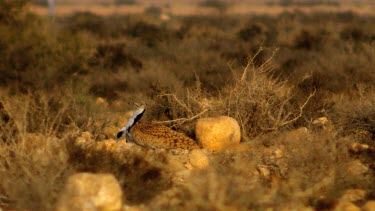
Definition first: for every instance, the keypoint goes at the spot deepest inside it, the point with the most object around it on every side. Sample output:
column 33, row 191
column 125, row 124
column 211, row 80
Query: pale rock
column 278, row 153
column 189, row 166
column 86, row 135
column 198, row 159
column 346, row 206
column 80, row 141
column 263, row 171
column 358, row 147
column 165, row 17
column 102, row 101
column 217, row 133
column 369, row 206
column 302, row 130
column 117, row 104
column 86, row 191
column 321, row 121
column 354, row 195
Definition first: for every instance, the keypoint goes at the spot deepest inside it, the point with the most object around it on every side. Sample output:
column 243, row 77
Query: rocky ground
column 273, row 167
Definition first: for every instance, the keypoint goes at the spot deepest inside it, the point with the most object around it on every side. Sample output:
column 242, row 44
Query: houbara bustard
column 154, row 135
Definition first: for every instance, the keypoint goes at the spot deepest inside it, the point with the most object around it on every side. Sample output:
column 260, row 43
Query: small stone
column 165, row 17
column 302, row 130
column 369, row 206
column 86, row 191
column 198, row 159
column 346, row 206
column 80, row 141
column 217, row 133
column 357, row 147
column 117, row 104
column 101, row 101
column 354, row 195
column 278, row 153
column 321, row 121
column 189, row 166
column 263, row 171
column 86, row 135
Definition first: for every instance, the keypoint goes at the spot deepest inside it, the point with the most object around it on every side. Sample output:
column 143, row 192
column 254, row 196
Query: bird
column 154, row 136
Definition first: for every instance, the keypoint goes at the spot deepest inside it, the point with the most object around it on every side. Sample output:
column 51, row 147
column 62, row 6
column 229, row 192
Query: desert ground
column 291, row 87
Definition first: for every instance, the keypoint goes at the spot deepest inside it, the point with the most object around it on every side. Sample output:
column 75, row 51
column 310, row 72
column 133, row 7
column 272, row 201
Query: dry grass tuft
column 31, row 157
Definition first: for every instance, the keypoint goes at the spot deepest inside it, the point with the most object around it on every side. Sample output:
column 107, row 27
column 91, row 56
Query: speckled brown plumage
column 160, row 136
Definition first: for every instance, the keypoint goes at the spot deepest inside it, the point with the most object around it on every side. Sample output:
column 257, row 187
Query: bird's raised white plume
column 131, row 121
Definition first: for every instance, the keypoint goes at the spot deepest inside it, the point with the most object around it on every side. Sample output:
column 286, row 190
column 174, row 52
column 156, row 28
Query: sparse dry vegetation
column 62, row 78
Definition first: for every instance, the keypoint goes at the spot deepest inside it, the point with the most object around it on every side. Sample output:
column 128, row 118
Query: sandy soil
column 192, row 9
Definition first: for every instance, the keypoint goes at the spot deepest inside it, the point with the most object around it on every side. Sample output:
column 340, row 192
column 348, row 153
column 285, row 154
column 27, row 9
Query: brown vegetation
column 274, row 75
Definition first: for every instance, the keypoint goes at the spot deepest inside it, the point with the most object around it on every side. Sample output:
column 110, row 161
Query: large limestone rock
column 354, row 195
column 86, row 191
column 370, row 205
column 217, row 133
column 346, row 206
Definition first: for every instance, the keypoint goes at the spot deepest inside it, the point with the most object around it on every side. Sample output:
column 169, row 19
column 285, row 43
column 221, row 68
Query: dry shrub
column 32, row 172
column 34, row 160
column 33, row 58
column 251, row 31
column 56, row 114
column 355, row 33
column 259, row 103
column 33, row 166
column 148, row 33
column 113, row 56
column 317, row 168
column 355, row 116
column 87, row 21
column 10, row 11
column 311, row 40
column 108, row 90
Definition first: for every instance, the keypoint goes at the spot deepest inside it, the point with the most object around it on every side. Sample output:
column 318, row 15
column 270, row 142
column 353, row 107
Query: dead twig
column 180, row 121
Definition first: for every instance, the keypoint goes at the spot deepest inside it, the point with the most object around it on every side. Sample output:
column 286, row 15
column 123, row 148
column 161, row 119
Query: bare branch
column 178, row 101
column 300, row 112
column 181, row 120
